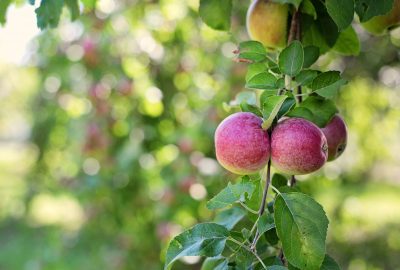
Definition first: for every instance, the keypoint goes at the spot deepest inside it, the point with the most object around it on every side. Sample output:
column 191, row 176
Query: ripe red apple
column 336, row 135
column 241, row 145
column 298, row 147
column 267, row 23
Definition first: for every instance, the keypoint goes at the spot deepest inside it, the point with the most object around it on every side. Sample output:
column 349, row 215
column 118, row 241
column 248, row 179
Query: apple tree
column 287, row 125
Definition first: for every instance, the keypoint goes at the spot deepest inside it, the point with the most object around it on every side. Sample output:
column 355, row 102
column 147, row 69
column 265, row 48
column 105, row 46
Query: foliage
column 300, row 222
column 137, row 161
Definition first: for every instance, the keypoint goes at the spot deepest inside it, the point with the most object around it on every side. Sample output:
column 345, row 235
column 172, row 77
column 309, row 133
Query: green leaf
column 311, row 55
column 32, row 2
column 216, row 13
column 302, row 112
column 280, row 83
column 73, row 7
column 204, row 239
column 328, row 84
column 252, row 50
column 48, row 13
column 271, row 237
column 341, row 11
column 230, row 217
column 215, row 263
column 287, row 105
column 312, row 35
column 243, row 259
column 271, row 108
column 291, row 267
column 306, row 76
column 230, row 195
column 329, row 264
column 265, row 95
column 291, row 59
column 348, row 42
column 3, row 10
column 315, row 109
column 366, row 9
column 246, row 233
column 307, row 7
column 296, row 3
column 254, row 69
column 279, row 180
column 250, row 108
column 322, row 32
column 265, row 223
column 263, row 80
column 271, row 261
column 325, row 24
column 301, row 224
column 254, row 201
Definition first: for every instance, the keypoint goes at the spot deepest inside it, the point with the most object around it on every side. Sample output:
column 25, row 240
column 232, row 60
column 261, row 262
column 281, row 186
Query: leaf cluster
column 278, row 82
column 294, row 222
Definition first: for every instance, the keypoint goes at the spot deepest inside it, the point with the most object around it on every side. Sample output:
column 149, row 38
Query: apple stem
column 268, row 180
column 293, row 181
column 263, row 202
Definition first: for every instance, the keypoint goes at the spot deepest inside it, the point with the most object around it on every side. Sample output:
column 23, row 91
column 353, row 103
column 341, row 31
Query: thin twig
column 275, row 189
column 298, row 37
column 293, row 27
column 254, row 226
column 248, row 208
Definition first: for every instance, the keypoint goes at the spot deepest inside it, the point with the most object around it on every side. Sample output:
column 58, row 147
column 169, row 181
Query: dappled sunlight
column 59, row 210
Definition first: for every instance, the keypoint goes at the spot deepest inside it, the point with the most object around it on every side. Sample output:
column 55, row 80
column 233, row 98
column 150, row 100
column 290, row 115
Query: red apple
column 298, row 147
column 241, row 145
column 336, row 135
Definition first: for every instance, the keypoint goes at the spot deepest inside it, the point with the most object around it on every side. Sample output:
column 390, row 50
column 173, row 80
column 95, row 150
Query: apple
column 336, row 135
column 379, row 24
column 241, row 145
column 267, row 23
column 298, row 147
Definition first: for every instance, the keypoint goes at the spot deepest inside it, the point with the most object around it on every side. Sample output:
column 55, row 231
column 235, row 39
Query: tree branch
column 293, row 27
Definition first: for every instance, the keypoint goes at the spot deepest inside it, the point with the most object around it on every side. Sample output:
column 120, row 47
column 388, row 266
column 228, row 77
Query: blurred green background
column 106, row 141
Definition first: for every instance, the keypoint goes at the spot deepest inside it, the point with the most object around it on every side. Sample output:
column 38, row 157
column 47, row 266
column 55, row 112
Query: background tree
column 124, row 104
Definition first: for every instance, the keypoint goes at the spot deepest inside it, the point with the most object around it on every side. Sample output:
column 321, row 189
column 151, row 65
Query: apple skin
column 267, row 23
column 379, row 24
column 298, row 147
column 336, row 135
column 241, row 145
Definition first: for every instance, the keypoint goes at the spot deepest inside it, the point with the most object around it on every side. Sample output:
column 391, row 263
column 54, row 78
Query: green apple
column 267, row 23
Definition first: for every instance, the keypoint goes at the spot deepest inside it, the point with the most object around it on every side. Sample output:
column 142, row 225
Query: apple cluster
column 295, row 146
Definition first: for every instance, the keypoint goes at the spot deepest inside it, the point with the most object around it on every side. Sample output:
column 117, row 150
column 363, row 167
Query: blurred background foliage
column 106, row 141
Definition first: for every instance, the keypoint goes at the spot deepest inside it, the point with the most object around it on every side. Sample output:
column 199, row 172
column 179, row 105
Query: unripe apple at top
column 267, row 23
column 298, row 147
column 378, row 24
column 336, row 135
column 241, row 145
